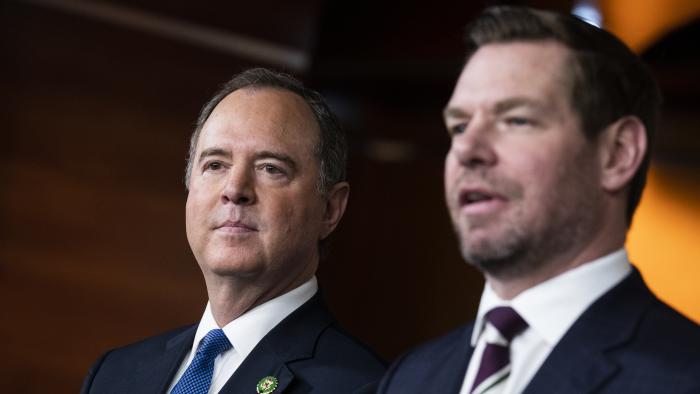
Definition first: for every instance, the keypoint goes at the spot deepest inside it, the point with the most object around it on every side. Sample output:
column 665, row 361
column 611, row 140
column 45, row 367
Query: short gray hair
column 331, row 150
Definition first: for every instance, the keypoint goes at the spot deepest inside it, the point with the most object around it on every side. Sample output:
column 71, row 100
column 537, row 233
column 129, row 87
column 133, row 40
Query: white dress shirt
column 245, row 332
column 550, row 309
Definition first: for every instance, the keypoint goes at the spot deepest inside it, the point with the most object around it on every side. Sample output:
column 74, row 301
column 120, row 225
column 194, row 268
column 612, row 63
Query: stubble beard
column 519, row 251
column 502, row 257
column 523, row 247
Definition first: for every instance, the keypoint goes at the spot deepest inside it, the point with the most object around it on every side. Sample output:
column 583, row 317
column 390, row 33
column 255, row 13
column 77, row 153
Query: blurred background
column 98, row 102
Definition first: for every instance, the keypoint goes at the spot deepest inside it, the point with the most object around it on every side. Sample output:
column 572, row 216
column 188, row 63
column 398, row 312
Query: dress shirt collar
column 248, row 329
column 551, row 307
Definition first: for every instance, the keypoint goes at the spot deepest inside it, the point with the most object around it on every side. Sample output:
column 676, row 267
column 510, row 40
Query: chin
column 237, row 265
column 489, row 254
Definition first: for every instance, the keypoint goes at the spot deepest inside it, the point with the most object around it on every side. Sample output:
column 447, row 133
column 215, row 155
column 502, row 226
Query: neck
column 231, row 297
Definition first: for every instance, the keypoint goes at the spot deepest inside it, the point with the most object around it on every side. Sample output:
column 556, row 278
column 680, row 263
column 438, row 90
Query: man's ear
column 623, row 145
column 336, row 201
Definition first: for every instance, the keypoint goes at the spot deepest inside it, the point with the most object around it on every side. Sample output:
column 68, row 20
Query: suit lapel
column 291, row 340
column 443, row 371
column 453, row 378
column 580, row 363
column 154, row 374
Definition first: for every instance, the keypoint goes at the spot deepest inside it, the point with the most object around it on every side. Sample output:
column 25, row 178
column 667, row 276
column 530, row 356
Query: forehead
column 271, row 116
column 528, row 69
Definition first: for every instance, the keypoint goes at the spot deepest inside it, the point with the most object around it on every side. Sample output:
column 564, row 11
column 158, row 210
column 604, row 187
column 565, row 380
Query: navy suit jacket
column 626, row 342
column 307, row 352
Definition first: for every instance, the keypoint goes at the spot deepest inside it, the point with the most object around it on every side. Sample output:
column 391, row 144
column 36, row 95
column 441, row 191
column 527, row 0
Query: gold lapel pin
column 267, row 385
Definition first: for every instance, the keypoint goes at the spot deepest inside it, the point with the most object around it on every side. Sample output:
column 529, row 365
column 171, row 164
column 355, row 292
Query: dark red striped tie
column 495, row 361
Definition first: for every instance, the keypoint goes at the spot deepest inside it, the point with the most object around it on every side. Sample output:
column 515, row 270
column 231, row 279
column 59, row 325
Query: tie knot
column 213, row 343
column 507, row 321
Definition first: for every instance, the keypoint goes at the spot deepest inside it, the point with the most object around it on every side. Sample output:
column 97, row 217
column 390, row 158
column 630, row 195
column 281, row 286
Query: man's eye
column 518, row 121
column 458, row 128
column 213, row 166
column 271, row 169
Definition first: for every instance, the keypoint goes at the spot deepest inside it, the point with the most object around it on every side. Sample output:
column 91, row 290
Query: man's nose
column 240, row 187
column 474, row 147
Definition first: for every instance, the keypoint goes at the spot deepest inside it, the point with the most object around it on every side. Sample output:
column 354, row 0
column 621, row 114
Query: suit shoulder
column 662, row 353
column 437, row 363
column 141, row 351
column 340, row 363
column 155, row 342
column 653, row 331
column 335, row 343
column 665, row 315
column 438, row 348
column 137, row 360
column 669, row 330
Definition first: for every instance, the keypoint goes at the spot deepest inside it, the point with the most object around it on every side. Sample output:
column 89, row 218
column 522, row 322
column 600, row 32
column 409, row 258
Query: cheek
column 538, row 176
column 451, row 169
column 190, row 220
column 307, row 218
column 290, row 219
column 550, row 179
column 290, row 214
column 191, row 207
column 196, row 213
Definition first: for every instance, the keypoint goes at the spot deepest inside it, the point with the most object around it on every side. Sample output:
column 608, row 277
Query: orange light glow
column 664, row 242
column 639, row 23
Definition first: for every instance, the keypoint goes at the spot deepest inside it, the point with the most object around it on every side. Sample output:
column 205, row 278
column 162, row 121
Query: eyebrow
column 499, row 107
column 515, row 102
column 453, row 112
column 265, row 154
column 213, row 152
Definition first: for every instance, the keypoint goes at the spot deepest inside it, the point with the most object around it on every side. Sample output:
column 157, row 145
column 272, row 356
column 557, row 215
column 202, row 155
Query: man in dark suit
column 551, row 123
column 266, row 182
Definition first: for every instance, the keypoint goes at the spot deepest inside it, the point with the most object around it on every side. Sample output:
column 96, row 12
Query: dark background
column 96, row 117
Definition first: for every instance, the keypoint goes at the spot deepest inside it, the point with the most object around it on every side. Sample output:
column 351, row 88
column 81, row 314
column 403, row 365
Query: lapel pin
column 267, row 385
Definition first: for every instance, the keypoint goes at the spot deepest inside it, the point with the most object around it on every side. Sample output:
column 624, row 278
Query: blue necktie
column 197, row 377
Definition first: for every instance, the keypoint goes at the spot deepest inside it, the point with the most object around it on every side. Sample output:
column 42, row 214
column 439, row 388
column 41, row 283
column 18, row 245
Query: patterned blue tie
column 197, row 377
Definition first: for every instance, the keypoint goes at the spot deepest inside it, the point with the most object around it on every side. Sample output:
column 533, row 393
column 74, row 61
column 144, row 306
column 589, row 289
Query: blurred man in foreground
column 266, row 181
column 551, row 123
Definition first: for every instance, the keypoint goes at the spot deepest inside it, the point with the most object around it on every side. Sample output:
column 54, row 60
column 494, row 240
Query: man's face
column 254, row 210
column 520, row 177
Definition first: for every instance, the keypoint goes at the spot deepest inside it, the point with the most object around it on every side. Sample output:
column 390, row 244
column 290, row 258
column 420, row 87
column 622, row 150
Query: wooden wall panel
column 95, row 126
